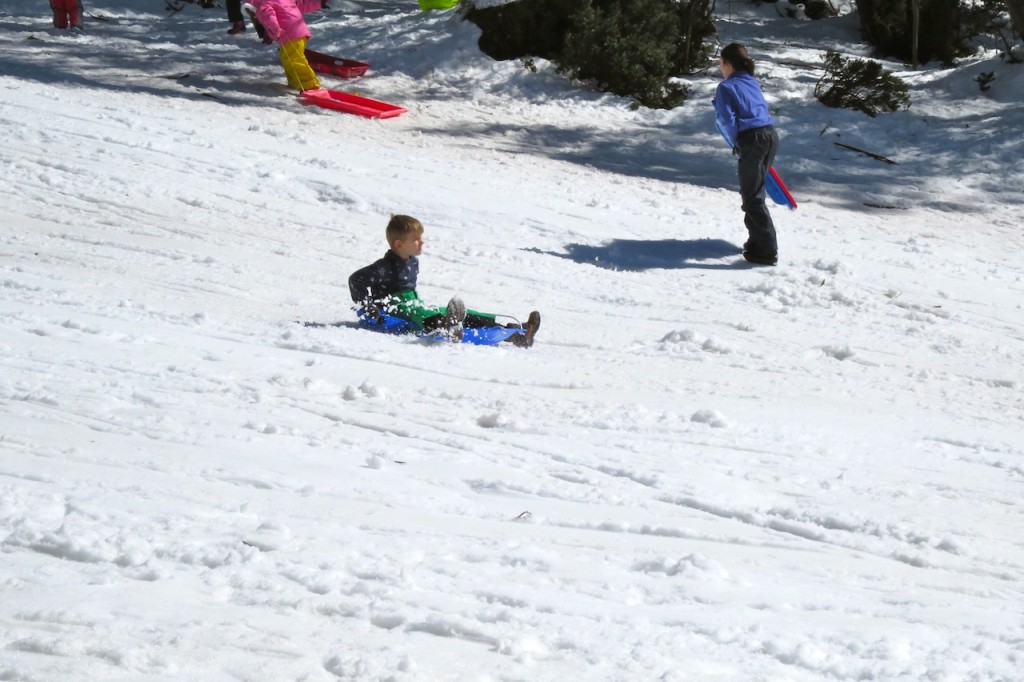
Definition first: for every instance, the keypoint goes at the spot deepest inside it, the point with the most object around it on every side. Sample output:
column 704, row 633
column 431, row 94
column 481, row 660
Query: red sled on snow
column 335, row 66
column 352, row 104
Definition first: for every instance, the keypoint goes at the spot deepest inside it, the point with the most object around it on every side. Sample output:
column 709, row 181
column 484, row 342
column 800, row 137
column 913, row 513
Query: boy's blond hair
column 401, row 226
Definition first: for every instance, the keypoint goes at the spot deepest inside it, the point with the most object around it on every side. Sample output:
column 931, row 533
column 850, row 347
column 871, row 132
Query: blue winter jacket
column 740, row 105
column 381, row 279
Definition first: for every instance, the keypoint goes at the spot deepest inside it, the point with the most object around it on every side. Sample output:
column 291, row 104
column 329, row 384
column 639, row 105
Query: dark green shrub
column 627, row 48
column 887, row 25
column 861, row 85
column 527, row 28
column 989, row 18
column 819, row 9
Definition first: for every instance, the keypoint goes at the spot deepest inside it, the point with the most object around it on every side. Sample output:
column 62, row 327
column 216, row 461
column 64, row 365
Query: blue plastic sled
column 480, row 336
column 773, row 184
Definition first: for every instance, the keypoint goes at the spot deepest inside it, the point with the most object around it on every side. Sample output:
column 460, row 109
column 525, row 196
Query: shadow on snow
column 637, row 255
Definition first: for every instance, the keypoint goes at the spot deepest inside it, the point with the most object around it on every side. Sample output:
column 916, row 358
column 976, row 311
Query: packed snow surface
column 703, row 470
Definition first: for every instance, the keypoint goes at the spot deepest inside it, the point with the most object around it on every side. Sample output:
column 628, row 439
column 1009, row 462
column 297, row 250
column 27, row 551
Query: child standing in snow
column 389, row 285
column 742, row 113
column 283, row 23
column 234, row 8
column 67, row 14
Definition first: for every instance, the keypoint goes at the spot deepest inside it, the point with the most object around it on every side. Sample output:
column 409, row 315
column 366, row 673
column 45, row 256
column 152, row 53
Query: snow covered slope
column 701, row 471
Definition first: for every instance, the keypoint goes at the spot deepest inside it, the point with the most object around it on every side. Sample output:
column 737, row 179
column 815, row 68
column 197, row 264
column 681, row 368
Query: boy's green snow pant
column 409, row 306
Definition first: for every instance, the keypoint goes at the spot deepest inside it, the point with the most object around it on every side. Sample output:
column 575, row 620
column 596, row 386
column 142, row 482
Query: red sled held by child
column 335, row 66
column 344, row 101
column 351, row 104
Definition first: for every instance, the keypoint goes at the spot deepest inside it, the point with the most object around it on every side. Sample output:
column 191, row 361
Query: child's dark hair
column 401, row 226
column 736, row 55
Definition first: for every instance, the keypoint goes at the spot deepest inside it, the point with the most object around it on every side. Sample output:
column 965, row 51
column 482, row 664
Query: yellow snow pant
column 296, row 68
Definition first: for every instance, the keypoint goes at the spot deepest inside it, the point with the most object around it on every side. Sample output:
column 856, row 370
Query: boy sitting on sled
column 389, row 286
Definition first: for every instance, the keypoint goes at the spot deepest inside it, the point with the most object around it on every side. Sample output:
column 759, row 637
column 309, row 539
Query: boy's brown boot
column 525, row 340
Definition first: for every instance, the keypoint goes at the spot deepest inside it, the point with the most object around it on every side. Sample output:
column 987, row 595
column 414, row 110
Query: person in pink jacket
column 283, row 23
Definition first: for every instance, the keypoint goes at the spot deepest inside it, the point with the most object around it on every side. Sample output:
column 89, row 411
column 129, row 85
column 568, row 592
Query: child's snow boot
column 454, row 315
column 371, row 311
column 236, row 28
column 760, row 258
column 525, row 340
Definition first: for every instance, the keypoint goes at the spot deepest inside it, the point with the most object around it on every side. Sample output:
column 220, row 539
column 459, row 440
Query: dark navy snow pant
column 757, row 149
column 235, row 11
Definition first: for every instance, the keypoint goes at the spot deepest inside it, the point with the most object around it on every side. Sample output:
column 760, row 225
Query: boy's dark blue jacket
column 740, row 105
column 387, row 276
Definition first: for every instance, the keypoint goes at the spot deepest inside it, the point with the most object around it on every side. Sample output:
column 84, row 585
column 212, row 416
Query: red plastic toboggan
column 335, row 66
column 352, row 104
